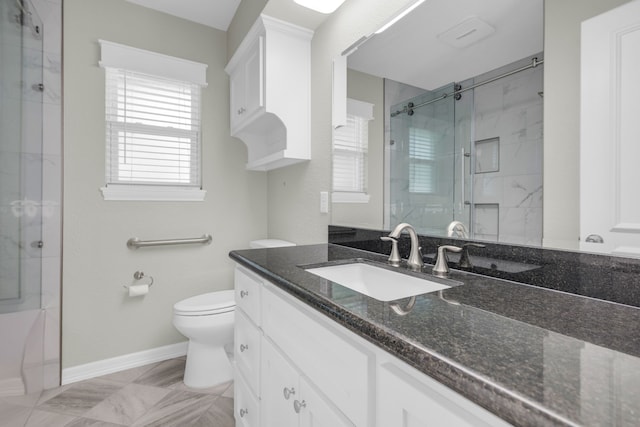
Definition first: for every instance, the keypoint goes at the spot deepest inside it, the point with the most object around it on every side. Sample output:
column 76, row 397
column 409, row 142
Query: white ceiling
column 213, row 13
column 410, row 51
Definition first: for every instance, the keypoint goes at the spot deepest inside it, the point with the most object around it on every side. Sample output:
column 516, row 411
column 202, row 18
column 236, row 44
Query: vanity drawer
column 247, row 350
column 337, row 365
column 248, row 287
column 245, row 405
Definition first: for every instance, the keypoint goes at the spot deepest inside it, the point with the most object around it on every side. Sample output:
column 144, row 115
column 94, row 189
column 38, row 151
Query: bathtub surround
column 602, row 277
column 100, row 321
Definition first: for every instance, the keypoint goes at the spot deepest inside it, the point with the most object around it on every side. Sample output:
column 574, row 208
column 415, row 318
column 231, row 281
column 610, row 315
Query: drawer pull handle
column 244, row 294
column 297, row 405
column 243, row 348
column 243, row 412
column 288, row 392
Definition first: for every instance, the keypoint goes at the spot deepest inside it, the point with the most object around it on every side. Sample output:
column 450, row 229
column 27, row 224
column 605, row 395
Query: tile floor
column 152, row 395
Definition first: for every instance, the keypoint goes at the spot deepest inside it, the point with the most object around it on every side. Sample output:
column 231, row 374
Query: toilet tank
column 269, row 243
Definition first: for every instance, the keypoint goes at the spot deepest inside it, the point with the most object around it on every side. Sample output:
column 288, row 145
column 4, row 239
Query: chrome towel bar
column 135, row 243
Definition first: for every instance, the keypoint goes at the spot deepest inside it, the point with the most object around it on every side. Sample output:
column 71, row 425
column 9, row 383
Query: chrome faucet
column 441, row 269
column 465, row 261
column 415, row 257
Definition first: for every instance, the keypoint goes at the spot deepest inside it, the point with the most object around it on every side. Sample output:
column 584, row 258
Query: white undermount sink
column 376, row 282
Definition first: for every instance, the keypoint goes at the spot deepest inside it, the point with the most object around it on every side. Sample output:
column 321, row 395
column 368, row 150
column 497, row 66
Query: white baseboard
column 121, row 363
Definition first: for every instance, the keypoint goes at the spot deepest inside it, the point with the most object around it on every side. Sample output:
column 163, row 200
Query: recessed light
column 322, row 6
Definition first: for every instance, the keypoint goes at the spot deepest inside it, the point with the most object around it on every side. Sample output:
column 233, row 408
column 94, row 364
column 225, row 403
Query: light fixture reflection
column 322, row 6
column 399, row 16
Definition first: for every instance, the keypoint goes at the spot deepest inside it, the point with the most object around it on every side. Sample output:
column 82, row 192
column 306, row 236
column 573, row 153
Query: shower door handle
column 463, row 196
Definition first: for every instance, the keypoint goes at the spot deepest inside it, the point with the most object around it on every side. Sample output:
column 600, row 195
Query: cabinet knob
column 241, row 110
column 297, row 405
column 244, row 294
column 288, row 392
column 243, row 348
column 243, row 412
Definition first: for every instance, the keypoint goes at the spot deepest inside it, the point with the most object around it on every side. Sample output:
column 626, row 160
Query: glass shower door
column 21, row 108
column 423, row 163
column 20, row 156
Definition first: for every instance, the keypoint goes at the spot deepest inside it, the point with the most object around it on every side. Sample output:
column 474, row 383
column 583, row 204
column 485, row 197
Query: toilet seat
column 206, row 304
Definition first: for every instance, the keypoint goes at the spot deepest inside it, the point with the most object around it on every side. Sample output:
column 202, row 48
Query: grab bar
column 135, row 243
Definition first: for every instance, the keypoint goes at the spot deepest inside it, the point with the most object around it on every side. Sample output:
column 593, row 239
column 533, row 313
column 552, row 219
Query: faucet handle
column 465, row 262
column 441, row 269
column 394, row 257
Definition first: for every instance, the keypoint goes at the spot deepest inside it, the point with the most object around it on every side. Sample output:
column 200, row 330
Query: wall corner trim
column 121, row 363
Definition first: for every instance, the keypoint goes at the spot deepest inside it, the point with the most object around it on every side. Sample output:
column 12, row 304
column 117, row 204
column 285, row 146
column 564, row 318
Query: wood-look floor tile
column 220, row 414
column 40, row 418
column 81, row 397
column 178, row 409
column 87, row 422
column 128, row 404
column 165, row 374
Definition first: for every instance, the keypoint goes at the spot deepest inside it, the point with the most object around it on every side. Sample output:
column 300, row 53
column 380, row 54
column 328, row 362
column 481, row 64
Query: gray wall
column 99, row 320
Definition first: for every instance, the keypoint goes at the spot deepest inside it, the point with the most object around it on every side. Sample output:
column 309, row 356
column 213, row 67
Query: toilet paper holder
column 139, row 275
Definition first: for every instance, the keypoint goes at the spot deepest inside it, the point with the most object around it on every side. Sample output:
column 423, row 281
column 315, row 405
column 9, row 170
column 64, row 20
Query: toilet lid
column 209, row 303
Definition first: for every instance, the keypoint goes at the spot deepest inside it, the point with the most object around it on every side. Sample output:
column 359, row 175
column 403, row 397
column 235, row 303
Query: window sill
column 343, row 197
column 156, row 194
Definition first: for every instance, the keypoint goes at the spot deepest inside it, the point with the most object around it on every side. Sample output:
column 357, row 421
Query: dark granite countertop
column 533, row 356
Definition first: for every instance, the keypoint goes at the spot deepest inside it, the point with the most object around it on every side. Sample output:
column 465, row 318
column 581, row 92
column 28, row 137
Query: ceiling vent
column 466, row 33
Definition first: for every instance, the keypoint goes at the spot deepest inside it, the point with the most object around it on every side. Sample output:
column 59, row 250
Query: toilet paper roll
column 138, row 290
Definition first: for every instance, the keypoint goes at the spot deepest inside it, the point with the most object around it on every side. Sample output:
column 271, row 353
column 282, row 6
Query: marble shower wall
column 507, row 166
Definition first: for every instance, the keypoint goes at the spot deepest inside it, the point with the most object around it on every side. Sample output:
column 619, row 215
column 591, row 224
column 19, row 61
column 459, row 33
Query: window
column 350, row 145
column 422, row 156
column 152, row 116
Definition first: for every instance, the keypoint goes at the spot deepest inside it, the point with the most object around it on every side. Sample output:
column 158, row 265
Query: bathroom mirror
column 505, row 174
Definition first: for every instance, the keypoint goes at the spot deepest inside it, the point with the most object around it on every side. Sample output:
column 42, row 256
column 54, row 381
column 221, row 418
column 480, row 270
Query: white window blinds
column 350, row 146
column 422, row 156
column 152, row 122
column 152, row 130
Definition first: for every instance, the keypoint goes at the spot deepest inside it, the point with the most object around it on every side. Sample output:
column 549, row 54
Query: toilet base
column 206, row 366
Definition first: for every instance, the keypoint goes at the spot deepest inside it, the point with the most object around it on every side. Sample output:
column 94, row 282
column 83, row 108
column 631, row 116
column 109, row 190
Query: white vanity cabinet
column 247, row 334
column 270, row 93
column 289, row 399
column 408, row 398
column 295, row 367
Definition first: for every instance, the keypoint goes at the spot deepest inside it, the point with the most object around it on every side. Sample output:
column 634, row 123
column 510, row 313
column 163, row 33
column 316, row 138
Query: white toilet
column 207, row 320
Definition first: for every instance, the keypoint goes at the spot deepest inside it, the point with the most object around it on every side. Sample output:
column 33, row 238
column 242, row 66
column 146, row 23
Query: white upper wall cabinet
column 270, row 84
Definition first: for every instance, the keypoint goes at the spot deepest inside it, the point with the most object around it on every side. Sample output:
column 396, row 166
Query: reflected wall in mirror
column 489, row 177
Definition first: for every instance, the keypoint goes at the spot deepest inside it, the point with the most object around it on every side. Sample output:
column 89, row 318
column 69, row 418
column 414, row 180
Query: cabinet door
column 247, row 350
column 246, row 407
column 315, row 411
column 254, row 79
column 278, row 388
column 415, row 400
column 237, row 86
column 248, row 287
